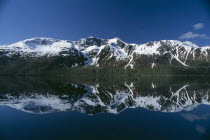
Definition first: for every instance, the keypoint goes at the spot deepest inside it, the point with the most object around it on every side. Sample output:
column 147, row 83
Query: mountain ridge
column 107, row 52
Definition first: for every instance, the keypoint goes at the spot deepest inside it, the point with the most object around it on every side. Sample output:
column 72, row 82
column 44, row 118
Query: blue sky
column 134, row 21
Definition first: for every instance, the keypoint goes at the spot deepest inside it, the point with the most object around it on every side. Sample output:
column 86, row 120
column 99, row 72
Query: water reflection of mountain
column 166, row 94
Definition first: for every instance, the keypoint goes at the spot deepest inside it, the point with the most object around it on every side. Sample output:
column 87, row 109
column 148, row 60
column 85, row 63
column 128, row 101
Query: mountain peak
column 40, row 40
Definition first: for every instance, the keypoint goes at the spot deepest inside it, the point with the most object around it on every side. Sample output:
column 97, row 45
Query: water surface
column 137, row 108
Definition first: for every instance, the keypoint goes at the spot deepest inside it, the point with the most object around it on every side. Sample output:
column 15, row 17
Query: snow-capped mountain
column 112, row 99
column 108, row 52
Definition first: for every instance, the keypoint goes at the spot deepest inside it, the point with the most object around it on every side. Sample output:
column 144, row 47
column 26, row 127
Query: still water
column 141, row 108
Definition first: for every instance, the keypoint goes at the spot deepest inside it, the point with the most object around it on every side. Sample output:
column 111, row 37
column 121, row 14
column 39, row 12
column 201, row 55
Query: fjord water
column 146, row 107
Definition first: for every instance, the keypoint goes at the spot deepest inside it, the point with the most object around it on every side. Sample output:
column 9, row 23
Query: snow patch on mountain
column 39, row 47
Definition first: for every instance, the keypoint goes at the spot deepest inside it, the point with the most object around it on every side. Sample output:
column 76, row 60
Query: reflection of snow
column 97, row 100
column 37, row 103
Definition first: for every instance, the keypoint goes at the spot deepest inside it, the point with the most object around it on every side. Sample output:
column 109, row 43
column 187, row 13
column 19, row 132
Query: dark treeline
column 53, row 67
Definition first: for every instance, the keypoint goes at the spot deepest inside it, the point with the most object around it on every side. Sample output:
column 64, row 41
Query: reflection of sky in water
column 131, row 123
column 199, row 118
